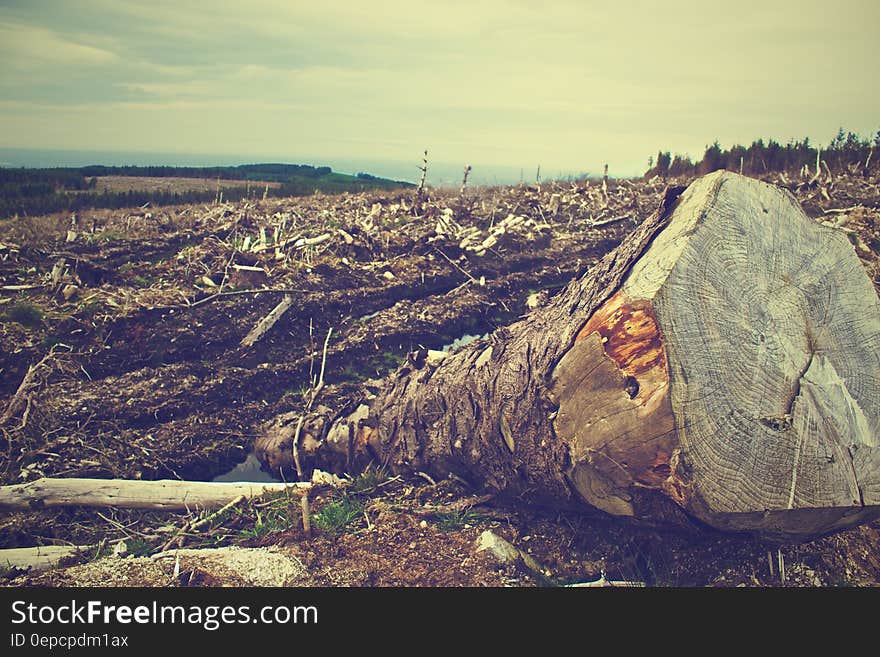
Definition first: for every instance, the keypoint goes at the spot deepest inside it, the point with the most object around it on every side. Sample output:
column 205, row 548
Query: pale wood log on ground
column 38, row 558
column 166, row 495
column 724, row 358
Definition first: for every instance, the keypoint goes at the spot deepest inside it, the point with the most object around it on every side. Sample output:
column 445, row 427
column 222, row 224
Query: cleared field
column 171, row 184
column 121, row 357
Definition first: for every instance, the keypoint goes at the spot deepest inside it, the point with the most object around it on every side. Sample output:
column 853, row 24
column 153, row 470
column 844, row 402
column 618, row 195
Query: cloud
column 26, row 45
column 572, row 81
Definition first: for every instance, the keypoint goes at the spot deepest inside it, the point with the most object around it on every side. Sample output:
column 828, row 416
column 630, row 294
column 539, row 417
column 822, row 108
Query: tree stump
column 725, row 357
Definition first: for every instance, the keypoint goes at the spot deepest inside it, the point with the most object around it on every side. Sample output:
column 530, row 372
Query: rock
column 507, row 553
column 244, row 566
column 321, row 478
column 501, row 549
column 69, row 291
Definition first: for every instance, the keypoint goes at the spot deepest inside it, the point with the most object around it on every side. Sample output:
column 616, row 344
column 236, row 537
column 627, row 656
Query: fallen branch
column 449, row 260
column 41, row 557
column 28, row 384
column 428, row 510
column 311, row 241
column 841, row 210
column 612, row 220
column 166, row 495
column 828, row 171
column 267, row 322
column 602, row 583
column 219, row 512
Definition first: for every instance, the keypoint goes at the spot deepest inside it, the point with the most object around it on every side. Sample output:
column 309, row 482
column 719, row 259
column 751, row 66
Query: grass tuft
column 274, row 517
column 368, row 480
column 338, row 514
column 454, row 520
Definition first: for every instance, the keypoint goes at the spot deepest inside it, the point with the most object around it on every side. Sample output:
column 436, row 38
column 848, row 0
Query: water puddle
column 467, row 338
column 248, row 471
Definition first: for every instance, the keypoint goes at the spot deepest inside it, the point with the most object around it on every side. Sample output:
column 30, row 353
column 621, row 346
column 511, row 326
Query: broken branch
column 265, row 324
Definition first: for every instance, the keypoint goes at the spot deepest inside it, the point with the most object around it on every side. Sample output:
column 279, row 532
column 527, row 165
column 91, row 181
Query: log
column 38, row 558
column 723, row 361
column 166, row 494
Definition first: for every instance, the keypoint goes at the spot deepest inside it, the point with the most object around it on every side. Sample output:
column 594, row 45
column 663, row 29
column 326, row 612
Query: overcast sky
column 569, row 85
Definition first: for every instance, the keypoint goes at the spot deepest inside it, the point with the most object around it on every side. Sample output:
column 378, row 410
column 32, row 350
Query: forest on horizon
column 848, row 150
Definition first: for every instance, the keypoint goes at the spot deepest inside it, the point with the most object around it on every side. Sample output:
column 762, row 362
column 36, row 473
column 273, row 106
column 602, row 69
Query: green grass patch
column 350, row 374
column 24, row 313
column 368, row 480
column 138, row 547
column 274, row 517
column 338, row 514
column 455, row 520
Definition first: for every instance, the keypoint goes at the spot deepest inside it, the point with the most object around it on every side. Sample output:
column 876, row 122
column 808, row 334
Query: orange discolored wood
column 630, row 334
column 614, row 409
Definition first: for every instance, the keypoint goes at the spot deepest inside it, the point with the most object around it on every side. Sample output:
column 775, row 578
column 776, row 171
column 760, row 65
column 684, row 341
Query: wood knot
column 776, row 423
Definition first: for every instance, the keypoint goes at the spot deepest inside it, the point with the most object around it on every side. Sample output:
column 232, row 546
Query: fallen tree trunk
column 724, row 357
column 166, row 495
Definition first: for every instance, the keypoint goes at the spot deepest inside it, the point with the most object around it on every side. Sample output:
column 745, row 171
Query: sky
column 507, row 84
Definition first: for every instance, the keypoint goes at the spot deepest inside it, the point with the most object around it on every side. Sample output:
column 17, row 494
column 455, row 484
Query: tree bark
column 724, row 358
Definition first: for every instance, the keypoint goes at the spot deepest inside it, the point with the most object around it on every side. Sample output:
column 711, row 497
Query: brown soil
column 146, row 377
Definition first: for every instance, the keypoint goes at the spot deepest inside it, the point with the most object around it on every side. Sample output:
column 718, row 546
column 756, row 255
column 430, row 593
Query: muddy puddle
column 248, row 470
column 461, row 341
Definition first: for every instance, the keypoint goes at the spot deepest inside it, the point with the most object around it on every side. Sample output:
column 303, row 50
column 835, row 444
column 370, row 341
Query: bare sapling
column 424, row 169
column 464, row 178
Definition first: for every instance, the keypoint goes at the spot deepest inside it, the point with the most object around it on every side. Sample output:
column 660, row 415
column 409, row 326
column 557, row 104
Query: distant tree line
column 261, row 172
column 847, row 152
column 12, row 205
column 41, row 191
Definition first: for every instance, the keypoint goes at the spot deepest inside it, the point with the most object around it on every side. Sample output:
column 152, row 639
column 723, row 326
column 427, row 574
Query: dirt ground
column 122, row 357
